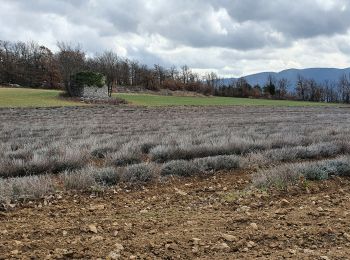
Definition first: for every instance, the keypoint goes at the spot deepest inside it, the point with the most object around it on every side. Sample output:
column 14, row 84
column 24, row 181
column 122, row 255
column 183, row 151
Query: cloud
column 232, row 37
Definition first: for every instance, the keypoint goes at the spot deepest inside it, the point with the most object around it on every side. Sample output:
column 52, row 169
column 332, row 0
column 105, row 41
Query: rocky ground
column 217, row 217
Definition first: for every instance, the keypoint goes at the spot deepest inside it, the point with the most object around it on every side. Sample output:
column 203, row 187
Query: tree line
column 34, row 65
column 30, row 64
column 305, row 89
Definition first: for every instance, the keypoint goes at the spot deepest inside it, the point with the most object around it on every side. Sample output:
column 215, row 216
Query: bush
column 89, row 78
column 78, row 180
column 48, row 160
column 163, row 153
column 91, row 176
column 139, row 173
column 200, row 165
column 147, row 146
column 130, row 153
column 314, row 172
column 221, row 162
column 180, row 168
column 279, row 177
column 287, row 154
column 290, row 174
column 107, row 176
column 30, row 187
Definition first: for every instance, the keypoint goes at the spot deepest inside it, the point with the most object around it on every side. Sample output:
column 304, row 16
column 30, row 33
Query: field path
column 212, row 218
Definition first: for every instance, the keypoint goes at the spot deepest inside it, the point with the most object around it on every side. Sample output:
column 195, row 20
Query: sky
column 230, row 37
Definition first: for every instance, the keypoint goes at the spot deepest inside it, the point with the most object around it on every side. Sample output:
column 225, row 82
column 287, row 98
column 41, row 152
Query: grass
column 160, row 100
column 24, row 97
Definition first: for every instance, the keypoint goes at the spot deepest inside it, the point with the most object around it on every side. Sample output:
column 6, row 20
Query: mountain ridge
column 320, row 75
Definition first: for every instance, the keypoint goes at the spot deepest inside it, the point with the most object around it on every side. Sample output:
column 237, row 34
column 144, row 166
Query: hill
column 320, row 75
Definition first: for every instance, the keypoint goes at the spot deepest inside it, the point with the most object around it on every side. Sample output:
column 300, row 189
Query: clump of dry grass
column 200, row 165
column 291, row 174
column 140, row 173
column 29, row 187
column 90, row 176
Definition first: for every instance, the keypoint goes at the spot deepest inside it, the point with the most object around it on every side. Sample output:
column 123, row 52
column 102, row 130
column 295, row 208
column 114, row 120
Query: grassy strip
column 160, row 100
column 23, row 97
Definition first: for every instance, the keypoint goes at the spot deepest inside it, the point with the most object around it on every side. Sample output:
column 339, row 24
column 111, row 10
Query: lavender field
column 46, row 149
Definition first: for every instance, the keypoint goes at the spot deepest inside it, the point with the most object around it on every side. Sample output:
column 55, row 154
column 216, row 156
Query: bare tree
column 173, row 72
column 282, row 87
column 301, row 88
column 212, row 79
column 71, row 60
column 160, row 73
column 185, row 74
column 344, row 88
column 108, row 64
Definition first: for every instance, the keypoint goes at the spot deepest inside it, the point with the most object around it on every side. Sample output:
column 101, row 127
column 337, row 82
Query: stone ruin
column 89, row 85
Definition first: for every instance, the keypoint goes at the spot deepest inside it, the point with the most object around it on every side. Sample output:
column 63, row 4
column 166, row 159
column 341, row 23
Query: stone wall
column 90, row 92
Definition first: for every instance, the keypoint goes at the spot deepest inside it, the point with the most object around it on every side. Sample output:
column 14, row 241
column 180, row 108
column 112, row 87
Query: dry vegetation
column 73, row 183
column 82, row 148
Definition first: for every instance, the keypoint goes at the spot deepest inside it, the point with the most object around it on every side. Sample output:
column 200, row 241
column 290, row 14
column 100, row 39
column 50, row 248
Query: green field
column 24, row 97
column 157, row 100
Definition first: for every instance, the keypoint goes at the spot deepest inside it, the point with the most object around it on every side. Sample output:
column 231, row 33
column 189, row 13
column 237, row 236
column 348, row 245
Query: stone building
column 87, row 84
column 86, row 91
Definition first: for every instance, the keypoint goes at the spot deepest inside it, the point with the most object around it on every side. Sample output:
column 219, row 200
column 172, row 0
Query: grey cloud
column 219, row 31
column 297, row 18
column 251, row 24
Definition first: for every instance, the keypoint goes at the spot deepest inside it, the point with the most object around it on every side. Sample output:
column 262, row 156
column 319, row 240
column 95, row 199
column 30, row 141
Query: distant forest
column 32, row 65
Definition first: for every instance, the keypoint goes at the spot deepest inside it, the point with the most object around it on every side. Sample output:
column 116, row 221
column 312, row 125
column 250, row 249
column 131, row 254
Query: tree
column 282, row 88
column 185, row 74
column 160, row 74
column 301, row 88
column 71, row 60
column 211, row 80
column 108, row 65
column 256, row 91
column 242, row 88
column 270, row 86
column 344, row 88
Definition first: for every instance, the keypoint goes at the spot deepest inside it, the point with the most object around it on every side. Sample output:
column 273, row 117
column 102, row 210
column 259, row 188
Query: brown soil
column 184, row 219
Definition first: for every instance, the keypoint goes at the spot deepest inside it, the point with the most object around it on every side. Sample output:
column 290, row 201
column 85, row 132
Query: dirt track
column 209, row 218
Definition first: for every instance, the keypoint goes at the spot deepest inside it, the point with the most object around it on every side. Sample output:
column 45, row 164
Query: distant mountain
column 320, row 75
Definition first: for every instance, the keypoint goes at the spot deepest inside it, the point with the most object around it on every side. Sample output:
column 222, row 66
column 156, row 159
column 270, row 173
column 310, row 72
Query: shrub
column 107, row 176
column 30, row 187
column 180, row 168
column 78, row 180
column 287, row 154
column 290, row 174
column 340, row 167
column 91, row 176
column 200, row 165
column 130, row 153
column 279, row 177
column 147, row 146
column 48, row 160
column 163, row 153
column 322, row 150
column 89, row 78
column 101, row 152
column 139, row 173
column 221, row 162
column 314, row 172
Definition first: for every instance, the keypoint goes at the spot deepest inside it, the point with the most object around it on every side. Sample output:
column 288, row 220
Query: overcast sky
column 231, row 37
